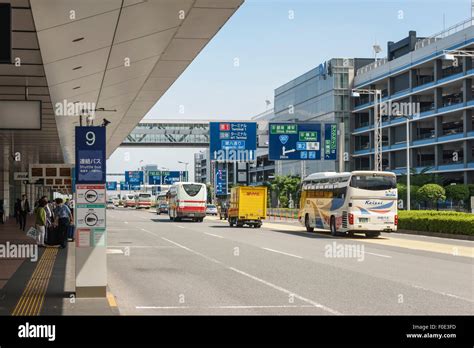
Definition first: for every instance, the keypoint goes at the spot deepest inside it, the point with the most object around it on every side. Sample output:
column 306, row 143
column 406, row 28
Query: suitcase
column 70, row 232
column 53, row 236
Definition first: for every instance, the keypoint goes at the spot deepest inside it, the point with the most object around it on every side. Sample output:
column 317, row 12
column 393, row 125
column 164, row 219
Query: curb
column 436, row 234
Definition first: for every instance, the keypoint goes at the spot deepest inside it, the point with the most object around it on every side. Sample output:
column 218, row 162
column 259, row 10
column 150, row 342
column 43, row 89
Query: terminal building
column 418, row 72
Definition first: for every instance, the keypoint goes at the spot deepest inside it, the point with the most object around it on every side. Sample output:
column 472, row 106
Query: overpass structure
column 179, row 133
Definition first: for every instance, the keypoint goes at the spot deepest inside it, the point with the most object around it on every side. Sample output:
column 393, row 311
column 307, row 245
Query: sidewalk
column 43, row 284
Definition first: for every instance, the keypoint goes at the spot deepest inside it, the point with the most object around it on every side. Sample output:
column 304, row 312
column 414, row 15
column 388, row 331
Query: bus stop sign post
column 90, row 220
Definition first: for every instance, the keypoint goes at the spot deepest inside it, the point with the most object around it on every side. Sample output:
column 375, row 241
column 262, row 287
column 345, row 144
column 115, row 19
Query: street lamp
column 185, row 168
column 377, row 93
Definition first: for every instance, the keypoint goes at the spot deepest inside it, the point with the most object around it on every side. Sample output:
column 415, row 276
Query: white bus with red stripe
column 187, row 200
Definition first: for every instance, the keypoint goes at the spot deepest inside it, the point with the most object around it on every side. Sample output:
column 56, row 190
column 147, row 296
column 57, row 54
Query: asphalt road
column 160, row 267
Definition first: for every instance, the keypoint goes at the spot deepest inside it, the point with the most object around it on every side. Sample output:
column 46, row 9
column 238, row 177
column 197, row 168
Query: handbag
column 32, row 232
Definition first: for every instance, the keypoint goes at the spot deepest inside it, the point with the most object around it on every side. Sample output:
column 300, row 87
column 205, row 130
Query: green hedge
column 437, row 221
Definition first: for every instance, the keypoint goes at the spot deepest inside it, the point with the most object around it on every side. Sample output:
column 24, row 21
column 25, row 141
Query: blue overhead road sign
column 294, row 141
column 134, row 177
column 330, row 141
column 233, row 141
column 111, row 185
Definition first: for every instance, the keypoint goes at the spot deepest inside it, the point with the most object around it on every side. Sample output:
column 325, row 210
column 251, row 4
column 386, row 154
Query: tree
column 457, row 193
column 432, row 193
column 402, row 193
column 422, row 178
column 286, row 187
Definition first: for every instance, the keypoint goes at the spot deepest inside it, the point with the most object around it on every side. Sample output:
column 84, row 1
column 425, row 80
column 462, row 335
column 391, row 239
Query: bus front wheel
column 307, row 225
column 333, row 227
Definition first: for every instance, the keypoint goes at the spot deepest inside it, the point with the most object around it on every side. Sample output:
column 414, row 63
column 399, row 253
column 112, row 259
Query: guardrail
column 282, row 213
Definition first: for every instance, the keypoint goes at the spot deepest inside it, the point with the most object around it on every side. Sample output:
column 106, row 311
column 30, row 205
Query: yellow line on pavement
column 32, row 298
column 443, row 248
column 111, row 299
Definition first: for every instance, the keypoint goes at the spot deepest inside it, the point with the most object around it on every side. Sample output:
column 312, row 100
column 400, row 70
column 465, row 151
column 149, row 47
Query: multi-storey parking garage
column 417, row 73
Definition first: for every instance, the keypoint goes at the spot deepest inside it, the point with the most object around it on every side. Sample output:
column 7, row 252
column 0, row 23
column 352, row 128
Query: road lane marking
column 387, row 256
column 276, row 287
column 223, row 307
column 114, row 251
column 142, row 246
column 442, row 293
column 180, row 226
column 282, row 252
column 279, row 288
column 193, row 251
column 214, row 235
column 125, row 222
column 443, row 248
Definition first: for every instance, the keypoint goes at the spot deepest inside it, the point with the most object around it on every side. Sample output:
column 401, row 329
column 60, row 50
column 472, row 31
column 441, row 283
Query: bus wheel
column 332, row 225
column 372, row 234
column 306, row 224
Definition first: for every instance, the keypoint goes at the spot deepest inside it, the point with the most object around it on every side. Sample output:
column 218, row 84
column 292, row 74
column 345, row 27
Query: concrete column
column 390, row 86
column 438, row 98
column 466, row 63
column 466, row 90
column 438, row 69
column 438, row 126
column 438, row 155
column 467, row 121
column 412, row 78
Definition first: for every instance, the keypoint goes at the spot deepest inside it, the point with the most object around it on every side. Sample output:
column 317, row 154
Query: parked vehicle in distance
column 187, row 200
column 223, row 211
column 110, row 204
column 350, row 202
column 162, row 208
column 248, row 206
column 129, row 201
column 211, row 209
column 115, row 201
column 143, row 200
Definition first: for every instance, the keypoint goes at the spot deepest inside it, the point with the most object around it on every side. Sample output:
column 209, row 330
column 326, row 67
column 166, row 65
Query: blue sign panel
column 134, row 177
column 170, row 177
column 330, row 141
column 154, row 177
column 294, row 141
column 123, row 186
column 90, row 155
column 233, row 141
column 111, row 185
column 221, row 182
column 134, row 187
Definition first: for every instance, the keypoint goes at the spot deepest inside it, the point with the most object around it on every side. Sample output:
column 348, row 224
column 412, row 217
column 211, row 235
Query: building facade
column 320, row 95
column 437, row 88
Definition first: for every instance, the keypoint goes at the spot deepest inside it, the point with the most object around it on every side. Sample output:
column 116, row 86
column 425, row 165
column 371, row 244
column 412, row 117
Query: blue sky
column 273, row 48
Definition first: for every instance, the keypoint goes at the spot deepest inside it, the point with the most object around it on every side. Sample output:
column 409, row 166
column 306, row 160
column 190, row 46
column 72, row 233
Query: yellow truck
column 248, row 206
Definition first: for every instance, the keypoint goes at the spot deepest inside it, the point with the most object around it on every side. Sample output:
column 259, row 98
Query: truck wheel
column 231, row 223
column 171, row 218
column 372, row 234
column 332, row 226
column 306, row 224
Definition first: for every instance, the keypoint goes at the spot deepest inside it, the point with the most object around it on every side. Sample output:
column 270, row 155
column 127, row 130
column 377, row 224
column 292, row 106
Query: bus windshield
column 192, row 189
column 373, row 182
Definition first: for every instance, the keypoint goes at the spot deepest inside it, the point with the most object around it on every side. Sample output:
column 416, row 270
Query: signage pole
column 90, row 213
column 341, row 145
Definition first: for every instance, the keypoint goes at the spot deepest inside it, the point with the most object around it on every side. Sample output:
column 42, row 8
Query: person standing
column 40, row 222
column 2, row 212
column 63, row 219
column 24, row 210
column 16, row 210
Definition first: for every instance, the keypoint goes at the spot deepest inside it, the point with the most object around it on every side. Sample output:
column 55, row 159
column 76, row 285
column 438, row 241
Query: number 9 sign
column 90, row 138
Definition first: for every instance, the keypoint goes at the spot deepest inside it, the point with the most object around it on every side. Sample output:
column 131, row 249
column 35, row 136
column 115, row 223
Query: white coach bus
column 187, row 200
column 357, row 202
